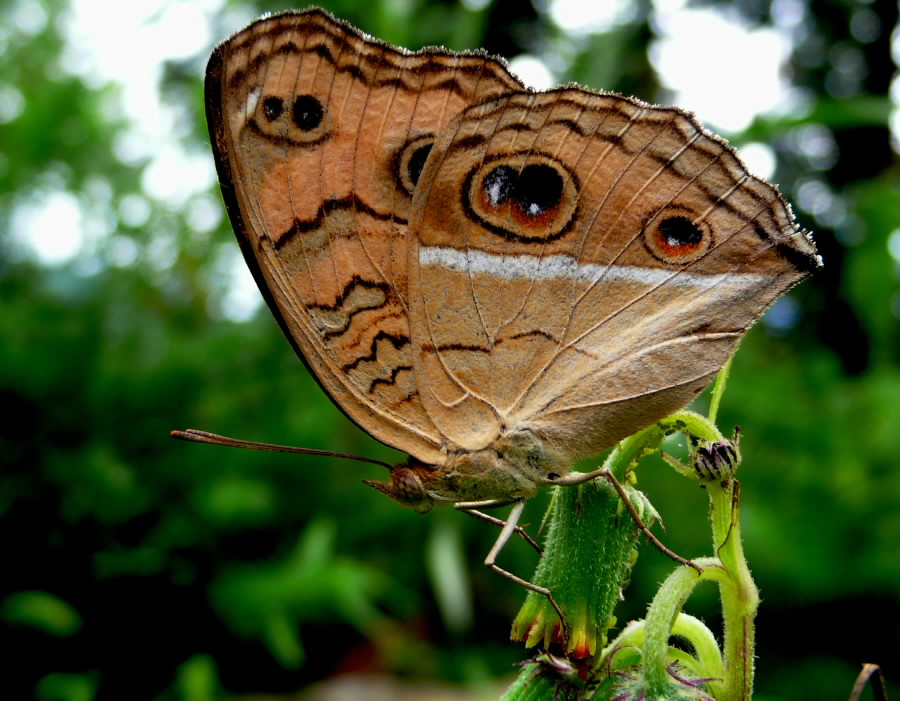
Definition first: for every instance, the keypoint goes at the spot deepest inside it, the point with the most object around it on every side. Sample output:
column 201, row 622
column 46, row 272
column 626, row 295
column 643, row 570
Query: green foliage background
column 138, row 567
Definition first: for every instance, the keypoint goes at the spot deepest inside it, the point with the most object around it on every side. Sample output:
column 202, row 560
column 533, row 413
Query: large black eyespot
column 532, row 192
column 676, row 235
column 308, row 112
column 410, row 161
column 538, row 189
column 680, row 232
column 526, row 197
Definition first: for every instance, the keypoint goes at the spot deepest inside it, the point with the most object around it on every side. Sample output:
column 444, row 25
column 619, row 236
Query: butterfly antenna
column 195, row 436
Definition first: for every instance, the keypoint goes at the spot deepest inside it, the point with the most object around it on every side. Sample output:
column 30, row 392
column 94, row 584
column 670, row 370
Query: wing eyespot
column 523, row 197
column 410, row 162
column 676, row 235
column 532, row 194
column 273, row 108
column 301, row 120
column 307, row 112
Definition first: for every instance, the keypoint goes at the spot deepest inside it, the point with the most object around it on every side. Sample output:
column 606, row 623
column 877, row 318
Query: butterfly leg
column 471, row 509
column 580, row 478
column 509, row 527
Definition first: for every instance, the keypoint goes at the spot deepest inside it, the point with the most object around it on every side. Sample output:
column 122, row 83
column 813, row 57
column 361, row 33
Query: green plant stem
column 660, row 621
column 588, row 553
column 739, row 596
column 706, row 649
column 738, row 592
column 692, row 423
column 532, row 684
column 708, row 657
column 718, row 391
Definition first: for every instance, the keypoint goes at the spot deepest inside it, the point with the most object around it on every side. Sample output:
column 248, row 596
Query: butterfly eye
column 676, row 236
column 410, row 162
column 526, row 198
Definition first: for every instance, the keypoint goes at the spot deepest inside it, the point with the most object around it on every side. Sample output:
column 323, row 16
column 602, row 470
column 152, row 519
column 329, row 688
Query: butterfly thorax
column 514, row 466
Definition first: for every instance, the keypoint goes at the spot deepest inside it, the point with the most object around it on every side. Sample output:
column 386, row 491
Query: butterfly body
column 513, row 467
column 494, row 280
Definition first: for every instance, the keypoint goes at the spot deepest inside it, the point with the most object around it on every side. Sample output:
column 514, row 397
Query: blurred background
column 139, row 567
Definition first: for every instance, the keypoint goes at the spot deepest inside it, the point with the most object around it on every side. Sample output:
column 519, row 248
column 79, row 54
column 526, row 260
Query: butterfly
column 494, row 280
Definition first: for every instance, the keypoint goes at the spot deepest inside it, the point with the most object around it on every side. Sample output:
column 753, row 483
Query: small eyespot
column 308, row 112
column 675, row 235
column 417, row 163
column 274, row 112
column 273, row 107
column 679, row 233
column 410, row 161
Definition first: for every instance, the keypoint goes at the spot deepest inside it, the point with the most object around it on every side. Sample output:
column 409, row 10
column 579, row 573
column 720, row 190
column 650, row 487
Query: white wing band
column 561, row 267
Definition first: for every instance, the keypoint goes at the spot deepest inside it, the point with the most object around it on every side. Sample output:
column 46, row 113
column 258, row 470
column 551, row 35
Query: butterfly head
column 406, row 487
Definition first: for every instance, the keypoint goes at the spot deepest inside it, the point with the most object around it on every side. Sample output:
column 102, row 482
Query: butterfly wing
column 582, row 265
column 320, row 135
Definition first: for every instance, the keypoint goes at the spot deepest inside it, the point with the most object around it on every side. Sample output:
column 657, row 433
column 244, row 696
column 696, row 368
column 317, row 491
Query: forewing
column 320, row 135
